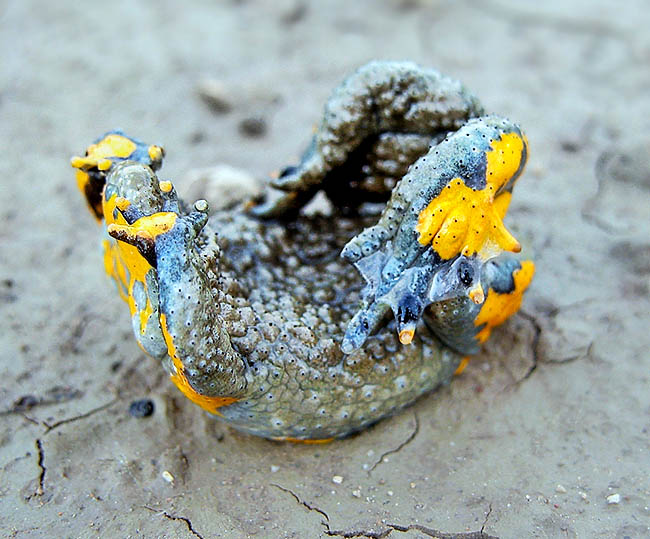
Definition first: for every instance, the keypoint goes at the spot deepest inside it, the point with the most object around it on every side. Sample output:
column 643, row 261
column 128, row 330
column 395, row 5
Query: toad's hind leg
column 443, row 221
column 408, row 105
column 370, row 173
column 160, row 249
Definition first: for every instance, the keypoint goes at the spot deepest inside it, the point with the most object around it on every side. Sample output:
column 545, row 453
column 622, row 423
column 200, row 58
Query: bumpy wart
column 258, row 316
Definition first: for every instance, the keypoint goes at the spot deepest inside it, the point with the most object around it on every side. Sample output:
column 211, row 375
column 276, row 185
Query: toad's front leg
column 177, row 305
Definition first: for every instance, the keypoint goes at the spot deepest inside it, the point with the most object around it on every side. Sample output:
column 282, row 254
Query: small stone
column 167, row 476
column 560, row 489
column 337, row 479
column 24, row 403
column 254, row 126
column 356, row 493
column 390, row 492
column 141, row 408
column 215, row 95
column 614, row 499
column 583, row 495
column 294, row 14
column 222, row 186
column 274, row 468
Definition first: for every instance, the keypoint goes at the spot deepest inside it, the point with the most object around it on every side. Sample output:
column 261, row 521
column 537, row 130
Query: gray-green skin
column 402, row 273
column 375, row 125
column 257, row 309
column 257, row 312
column 375, row 140
column 261, row 315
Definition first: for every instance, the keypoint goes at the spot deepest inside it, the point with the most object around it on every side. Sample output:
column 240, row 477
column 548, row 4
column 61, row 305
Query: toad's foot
column 442, row 222
column 111, row 148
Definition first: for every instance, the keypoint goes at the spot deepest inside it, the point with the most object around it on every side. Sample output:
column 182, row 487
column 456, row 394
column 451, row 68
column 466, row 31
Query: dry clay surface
column 547, row 432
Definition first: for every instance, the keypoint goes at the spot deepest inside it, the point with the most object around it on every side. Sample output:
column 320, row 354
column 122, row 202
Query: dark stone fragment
column 254, row 126
column 141, row 408
column 25, row 403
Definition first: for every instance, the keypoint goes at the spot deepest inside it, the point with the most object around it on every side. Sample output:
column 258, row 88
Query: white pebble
column 560, row 489
column 167, row 476
column 613, row 499
column 215, row 94
column 337, row 479
column 221, row 185
column 274, row 468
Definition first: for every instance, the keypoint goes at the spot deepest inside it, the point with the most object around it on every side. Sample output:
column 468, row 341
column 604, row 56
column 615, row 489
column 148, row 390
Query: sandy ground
column 548, row 422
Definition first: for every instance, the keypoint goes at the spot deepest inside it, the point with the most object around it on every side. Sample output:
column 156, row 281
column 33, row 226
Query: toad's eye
column 465, row 273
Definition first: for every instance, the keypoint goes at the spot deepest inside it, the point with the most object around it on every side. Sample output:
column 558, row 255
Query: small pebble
column 274, row 468
column 337, row 479
column 583, row 495
column 255, row 126
column 613, row 499
column 356, row 493
column 560, row 489
column 167, row 476
column 294, row 14
column 25, row 403
column 221, row 185
column 141, row 408
column 215, row 95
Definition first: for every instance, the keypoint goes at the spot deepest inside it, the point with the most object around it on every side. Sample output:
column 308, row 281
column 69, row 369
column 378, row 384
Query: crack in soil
column 383, row 533
column 41, row 458
column 360, row 533
column 442, row 535
column 534, row 345
column 40, row 490
column 55, row 395
column 186, row 520
column 51, row 427
column 487, row 516
column 408, row 440
column 305, row 504
column 537, row 356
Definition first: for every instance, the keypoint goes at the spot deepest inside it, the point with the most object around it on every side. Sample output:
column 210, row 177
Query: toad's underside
column 259, row 316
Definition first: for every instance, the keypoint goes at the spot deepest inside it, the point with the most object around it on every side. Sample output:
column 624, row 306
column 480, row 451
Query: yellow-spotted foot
column 113, row 147
column 443, row 221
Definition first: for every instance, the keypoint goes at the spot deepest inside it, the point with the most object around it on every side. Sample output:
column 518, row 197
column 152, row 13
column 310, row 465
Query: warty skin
column 247, row 310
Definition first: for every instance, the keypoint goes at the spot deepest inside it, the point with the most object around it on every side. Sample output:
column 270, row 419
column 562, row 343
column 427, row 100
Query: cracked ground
column 546, row 434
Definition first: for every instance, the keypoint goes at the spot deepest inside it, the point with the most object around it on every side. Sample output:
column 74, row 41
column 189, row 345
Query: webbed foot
column 462, row 324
